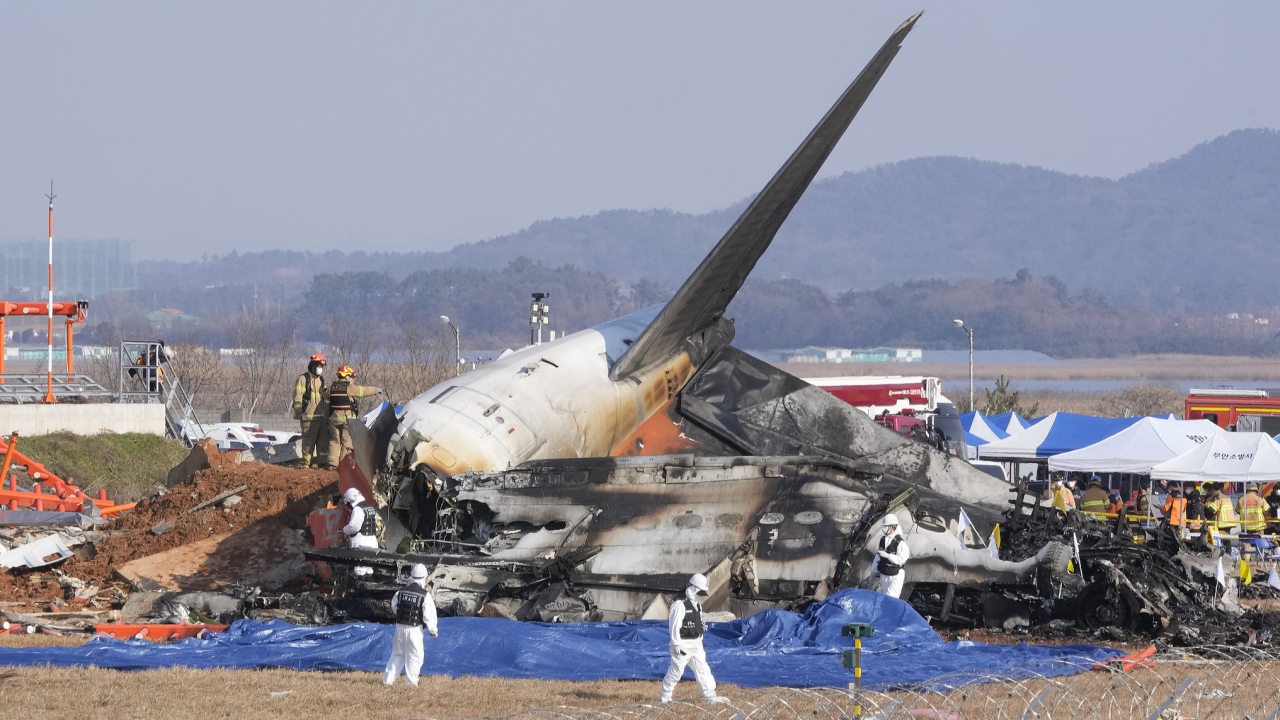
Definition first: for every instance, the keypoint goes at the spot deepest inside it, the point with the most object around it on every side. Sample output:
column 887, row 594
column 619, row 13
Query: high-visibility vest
column 1094, row 502
column 309, row 397
column 1115, row 508
column 1175, row 508
column 1224, row 514
column 1252, row 508
column 1063, row 499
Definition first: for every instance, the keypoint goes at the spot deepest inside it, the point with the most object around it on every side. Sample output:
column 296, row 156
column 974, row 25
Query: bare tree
column 419, row 356
column 1141, row 400
column 258, row 378
column 198, row 368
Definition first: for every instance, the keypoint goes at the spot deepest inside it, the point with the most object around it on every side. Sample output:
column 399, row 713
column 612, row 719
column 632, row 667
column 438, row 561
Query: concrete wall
column 266, row 421
column 82, row 419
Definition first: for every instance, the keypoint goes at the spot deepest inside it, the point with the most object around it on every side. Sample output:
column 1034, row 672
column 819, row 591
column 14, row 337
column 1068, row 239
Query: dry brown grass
column 1148, row 368
column 1222, row 689
column 41, row 640
column 183, row 694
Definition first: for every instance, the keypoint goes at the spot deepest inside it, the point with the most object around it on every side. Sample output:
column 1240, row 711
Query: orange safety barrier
column 157, row 632
column 65, row 496
column 1129, row 662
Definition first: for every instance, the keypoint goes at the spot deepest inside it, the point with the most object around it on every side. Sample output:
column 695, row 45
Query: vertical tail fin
column 703, row 298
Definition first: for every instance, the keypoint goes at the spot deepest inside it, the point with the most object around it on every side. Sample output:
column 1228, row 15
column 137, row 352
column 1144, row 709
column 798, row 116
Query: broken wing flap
column 383, row 559
column 563, row 567
column 371, row 437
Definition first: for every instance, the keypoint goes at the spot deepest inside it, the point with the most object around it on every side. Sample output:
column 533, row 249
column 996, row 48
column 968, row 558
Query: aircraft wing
column 703, row 298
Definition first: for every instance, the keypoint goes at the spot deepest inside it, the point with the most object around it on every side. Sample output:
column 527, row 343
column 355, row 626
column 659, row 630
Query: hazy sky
column 206, row 127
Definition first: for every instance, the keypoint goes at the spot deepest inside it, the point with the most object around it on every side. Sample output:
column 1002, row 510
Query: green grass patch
column 124, row 465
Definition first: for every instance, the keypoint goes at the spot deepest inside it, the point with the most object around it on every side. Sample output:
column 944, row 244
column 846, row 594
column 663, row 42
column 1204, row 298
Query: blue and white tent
column 978, row 431
column 1057, row 433
column 1137, row 448
column 1011, row 423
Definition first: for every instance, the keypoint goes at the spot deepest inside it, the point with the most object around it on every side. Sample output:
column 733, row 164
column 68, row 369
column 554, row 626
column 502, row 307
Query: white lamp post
column 457, row 345
column 968, row 331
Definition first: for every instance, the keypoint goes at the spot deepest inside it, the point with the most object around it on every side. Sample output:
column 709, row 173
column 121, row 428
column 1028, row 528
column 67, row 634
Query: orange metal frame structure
column 66, row 497
column 158, row 632
column 74, row 312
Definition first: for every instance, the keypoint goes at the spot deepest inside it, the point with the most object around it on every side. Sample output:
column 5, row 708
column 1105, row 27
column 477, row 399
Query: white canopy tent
column 1138, row 447
column 1225, row 457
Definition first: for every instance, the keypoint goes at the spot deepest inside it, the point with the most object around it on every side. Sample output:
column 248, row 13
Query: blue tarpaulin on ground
column 774, row 647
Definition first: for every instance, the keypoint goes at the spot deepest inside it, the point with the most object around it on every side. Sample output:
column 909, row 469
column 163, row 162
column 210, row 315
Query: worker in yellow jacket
column 1218, row 508
column 342, row 407
column 1252, row 509
column 1060, row 495
column 311, row 410
column 1095, row 499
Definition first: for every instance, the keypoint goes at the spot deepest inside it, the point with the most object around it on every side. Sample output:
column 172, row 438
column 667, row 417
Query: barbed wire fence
column 1203, row 682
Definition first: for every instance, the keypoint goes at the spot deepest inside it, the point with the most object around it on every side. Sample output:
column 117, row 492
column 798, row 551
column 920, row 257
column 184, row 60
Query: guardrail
column 23, row 388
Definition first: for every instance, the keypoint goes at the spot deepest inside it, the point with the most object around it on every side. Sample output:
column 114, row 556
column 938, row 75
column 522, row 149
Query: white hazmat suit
column 406, row 645
column 894, row 554
column 688, row 651
column 357, row 539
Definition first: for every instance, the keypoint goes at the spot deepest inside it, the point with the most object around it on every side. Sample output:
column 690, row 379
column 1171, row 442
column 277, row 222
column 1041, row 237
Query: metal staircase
column 147, row 376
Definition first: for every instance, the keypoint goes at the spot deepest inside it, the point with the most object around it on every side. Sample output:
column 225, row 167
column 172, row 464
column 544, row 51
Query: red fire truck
column 912, row 405
column 875, row 395
column 1224, row 406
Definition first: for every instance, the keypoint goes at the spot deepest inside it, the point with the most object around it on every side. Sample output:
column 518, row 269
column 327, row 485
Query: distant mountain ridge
column 1198, row 227
column 1195, row 231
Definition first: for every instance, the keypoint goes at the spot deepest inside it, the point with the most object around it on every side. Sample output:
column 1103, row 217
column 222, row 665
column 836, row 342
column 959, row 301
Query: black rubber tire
column 1095, row 610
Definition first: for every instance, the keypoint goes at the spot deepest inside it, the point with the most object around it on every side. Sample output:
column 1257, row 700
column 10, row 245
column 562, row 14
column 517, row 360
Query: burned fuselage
column 513, row 478
column 769, row 531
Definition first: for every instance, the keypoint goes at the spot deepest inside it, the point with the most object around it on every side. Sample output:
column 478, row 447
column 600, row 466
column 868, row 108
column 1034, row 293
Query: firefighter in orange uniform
column 1175, row 506
column 342, row 407
column 1115, row 507
column 310, row 410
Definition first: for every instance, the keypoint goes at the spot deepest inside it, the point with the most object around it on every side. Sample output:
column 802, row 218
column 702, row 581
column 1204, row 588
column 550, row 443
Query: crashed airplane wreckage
column 586, row 478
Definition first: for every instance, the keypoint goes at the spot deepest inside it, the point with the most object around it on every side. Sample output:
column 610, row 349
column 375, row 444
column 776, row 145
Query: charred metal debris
column 574, row 540
column 1161, row 587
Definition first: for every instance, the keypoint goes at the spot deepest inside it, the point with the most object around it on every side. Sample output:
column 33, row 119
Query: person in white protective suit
column 362, row 529
column 413, row 607
column 891, row 555
column 685, row 628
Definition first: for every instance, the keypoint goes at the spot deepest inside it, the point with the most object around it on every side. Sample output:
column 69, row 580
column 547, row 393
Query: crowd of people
column 1231, row 508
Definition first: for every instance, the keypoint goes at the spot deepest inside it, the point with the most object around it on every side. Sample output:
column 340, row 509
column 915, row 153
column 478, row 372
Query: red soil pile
column 285, row 494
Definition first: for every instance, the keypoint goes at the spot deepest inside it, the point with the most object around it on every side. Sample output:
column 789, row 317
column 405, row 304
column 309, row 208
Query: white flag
column 995, row 549
column 1219, row 574
column 1075, row 546
column 1273, row 579
column 963, row 523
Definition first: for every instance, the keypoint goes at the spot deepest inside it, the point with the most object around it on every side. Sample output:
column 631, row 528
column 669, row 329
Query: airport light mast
column 539, row 315
column 457, row 345
column 48, row 396
column 968, row 331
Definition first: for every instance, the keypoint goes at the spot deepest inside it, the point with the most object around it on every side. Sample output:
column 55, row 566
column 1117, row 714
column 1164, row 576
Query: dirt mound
column 285, row 494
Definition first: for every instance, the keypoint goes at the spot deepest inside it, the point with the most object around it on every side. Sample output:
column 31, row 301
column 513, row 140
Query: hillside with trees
column 1069, row 265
